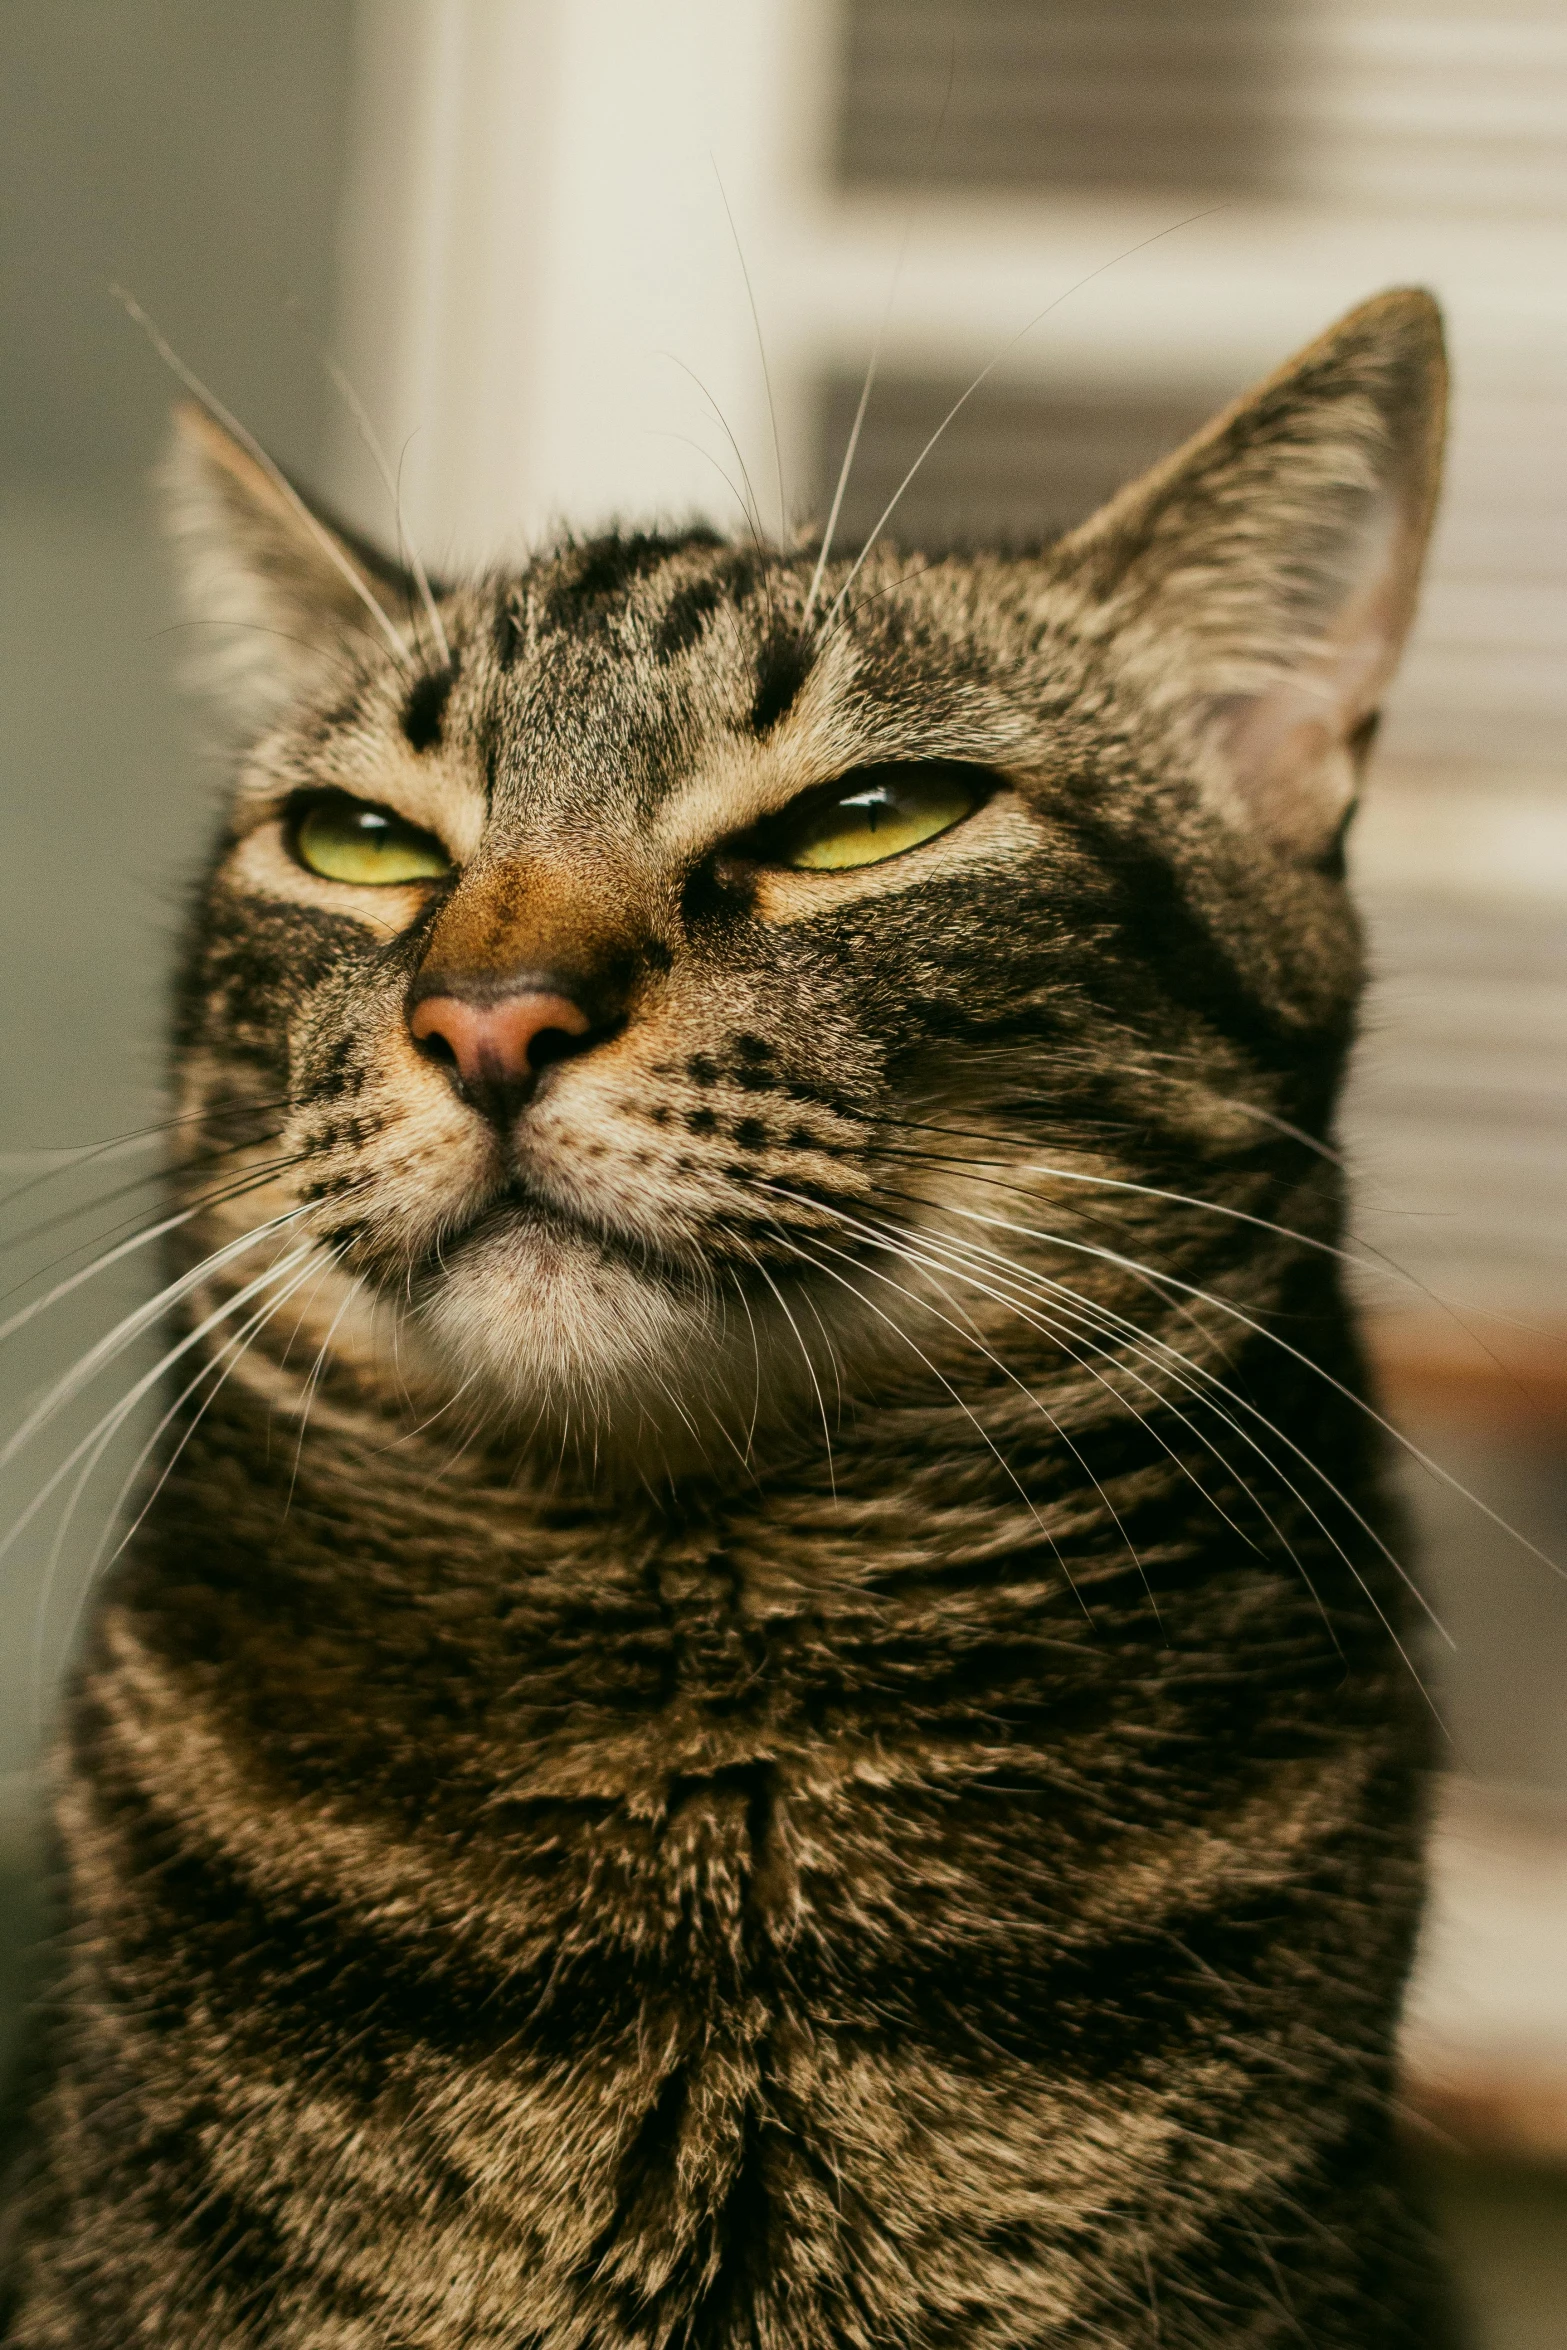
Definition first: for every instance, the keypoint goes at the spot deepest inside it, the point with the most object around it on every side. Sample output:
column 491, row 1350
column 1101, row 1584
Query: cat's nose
column 495, row 1049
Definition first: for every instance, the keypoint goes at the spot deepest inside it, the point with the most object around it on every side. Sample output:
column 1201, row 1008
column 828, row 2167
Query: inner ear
column 1261, row 582
column 1296, row 749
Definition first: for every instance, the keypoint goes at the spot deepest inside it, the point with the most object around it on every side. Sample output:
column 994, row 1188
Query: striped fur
column 772, row 1711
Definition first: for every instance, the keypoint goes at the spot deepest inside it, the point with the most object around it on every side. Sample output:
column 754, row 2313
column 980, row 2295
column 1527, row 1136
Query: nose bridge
column 528, row 918
column 530, row 961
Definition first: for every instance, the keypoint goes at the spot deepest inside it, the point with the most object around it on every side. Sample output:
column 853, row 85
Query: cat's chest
column 601, row 1908
column 688, row 1754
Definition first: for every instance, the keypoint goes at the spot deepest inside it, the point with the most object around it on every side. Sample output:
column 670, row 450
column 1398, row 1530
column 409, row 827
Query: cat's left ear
column 278, row 590
column 1261, row 581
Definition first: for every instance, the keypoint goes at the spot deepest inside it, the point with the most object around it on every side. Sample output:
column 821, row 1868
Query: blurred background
column 591, row 257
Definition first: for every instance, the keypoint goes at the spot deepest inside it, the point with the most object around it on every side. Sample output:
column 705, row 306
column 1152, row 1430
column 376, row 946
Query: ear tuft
column 1261, row 581
column 277, row 594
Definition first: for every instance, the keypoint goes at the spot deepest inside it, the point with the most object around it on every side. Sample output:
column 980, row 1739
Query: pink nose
column 495, row 1047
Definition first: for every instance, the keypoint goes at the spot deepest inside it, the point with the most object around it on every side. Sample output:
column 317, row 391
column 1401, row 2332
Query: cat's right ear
column 275, row 593
column 1259, row 583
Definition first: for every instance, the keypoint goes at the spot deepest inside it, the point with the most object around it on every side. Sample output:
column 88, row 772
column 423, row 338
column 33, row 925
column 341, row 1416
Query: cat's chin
column 564, row 1333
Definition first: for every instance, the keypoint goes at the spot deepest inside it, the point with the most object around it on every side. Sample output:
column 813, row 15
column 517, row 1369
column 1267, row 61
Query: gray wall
column 192, row 152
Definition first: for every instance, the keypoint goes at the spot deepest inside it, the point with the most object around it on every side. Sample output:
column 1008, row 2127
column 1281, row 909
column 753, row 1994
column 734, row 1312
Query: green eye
column 345, row 839
column 874, row 815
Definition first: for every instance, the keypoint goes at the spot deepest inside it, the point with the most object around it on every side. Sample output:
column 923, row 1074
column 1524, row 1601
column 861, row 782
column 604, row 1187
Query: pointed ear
column 280, row 594
column 1262, row 580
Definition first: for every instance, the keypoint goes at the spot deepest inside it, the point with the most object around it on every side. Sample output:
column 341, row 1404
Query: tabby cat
column 761, row 1696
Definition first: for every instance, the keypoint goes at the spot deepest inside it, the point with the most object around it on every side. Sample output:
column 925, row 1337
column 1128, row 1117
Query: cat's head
column 651, row 986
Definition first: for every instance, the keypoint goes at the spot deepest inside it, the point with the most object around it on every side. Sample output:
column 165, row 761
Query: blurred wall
column 193, row 152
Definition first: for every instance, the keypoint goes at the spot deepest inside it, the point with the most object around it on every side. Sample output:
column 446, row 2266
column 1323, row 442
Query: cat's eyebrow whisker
column 989, row 368
column 761, row 348
column 830, row 527
column 334, row 552
column 661, row 433
column 831, row 628
column 748, row 504
column 393, row 487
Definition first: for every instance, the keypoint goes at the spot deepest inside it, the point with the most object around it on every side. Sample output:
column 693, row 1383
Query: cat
column 761, row 1696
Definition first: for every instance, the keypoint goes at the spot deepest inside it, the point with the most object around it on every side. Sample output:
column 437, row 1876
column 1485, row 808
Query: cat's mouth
column 561, row 1318
column 522, row 1221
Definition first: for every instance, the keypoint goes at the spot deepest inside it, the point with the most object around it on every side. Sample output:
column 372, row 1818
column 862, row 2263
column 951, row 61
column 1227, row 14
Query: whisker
column 335, row 554
column 1344, row 1256
column 969, row 1414
column 929, row 1264
column 241, row 1338
column 136, row 1138
column 1152, row 1191
column 233, row 1348
column 1260, row 1330
column 805, row 1352
column 844, row 470
column 756, row 1356
column 750, row 506
column 140, row 1318
column 1126, row 1336
column 356, row 1283
column 897, row 1244
column 897, row 1241
column 761, row 347
column 121, row 1411
column 371, row 439
column 1151, row 1350
column 831, row 628
column 661, row 433
column 111, row 1199
column 988, row 370
column 139, row 1239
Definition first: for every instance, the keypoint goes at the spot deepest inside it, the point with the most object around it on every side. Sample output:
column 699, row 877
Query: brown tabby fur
column 768, row 1710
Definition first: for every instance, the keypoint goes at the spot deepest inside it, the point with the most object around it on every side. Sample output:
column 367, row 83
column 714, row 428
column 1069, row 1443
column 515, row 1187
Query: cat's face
column 637, row 974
